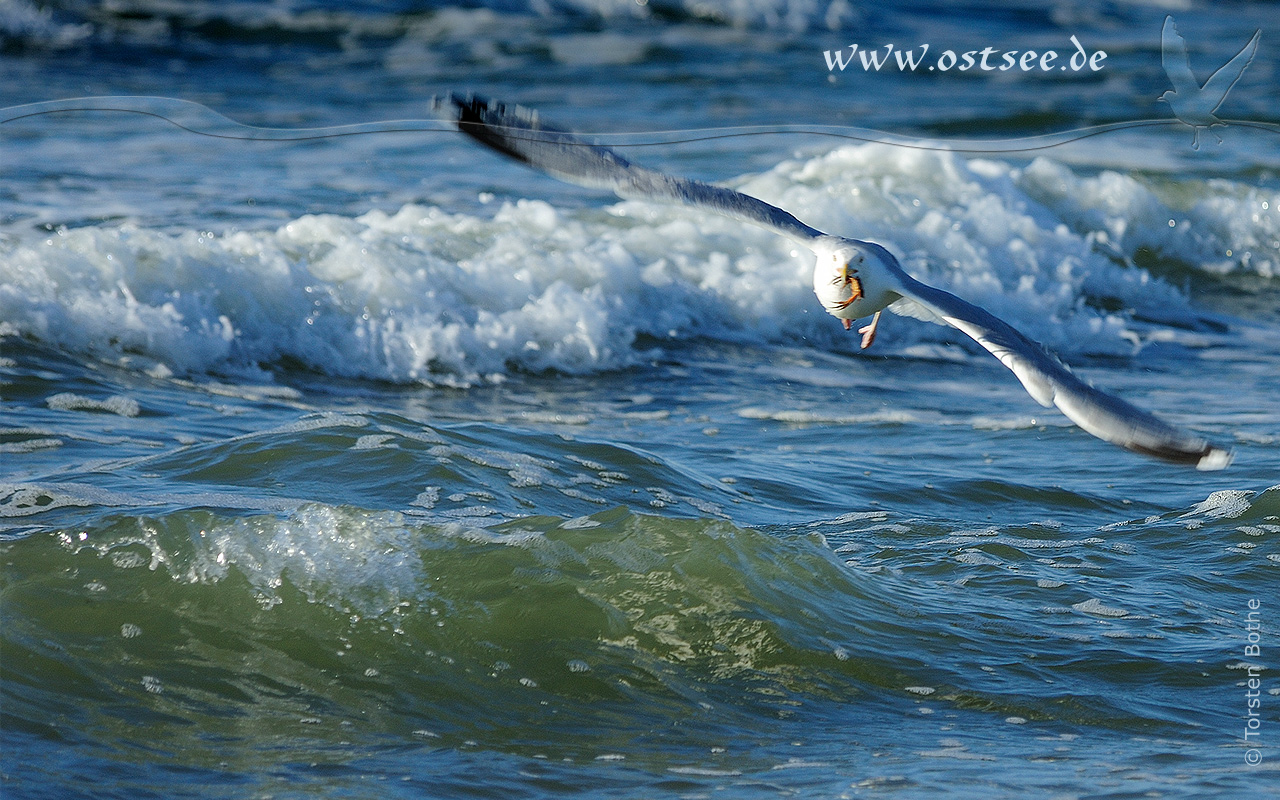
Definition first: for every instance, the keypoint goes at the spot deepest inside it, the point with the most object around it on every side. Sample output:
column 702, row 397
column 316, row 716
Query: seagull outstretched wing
column 1050, row 383
column 519, row 133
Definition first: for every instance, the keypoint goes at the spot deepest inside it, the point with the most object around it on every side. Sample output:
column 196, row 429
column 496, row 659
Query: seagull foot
column 869, row 331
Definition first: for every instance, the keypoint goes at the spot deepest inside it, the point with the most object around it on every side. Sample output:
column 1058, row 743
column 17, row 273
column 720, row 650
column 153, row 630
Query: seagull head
column 854, row 279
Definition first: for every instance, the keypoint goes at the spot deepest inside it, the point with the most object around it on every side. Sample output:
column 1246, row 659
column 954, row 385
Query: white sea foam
column 23, row 500
column 22, row 20
column 116, row 404
column 1097, row 608
column 428, row 295
column 792, row 15
column 30, row 445
column 1228, row 227
column 803, row 417
column 322, row 550
column 1223, row 504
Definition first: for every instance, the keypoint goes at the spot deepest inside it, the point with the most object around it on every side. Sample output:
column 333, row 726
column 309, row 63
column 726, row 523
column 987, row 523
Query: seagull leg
column 869, row 332
column 848, row 324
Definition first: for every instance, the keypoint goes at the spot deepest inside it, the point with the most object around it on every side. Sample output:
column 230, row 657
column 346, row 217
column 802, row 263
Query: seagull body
column 1192, row 103
column 852, row 279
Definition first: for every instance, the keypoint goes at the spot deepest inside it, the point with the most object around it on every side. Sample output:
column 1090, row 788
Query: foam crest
column 1232, row 504
column 1218, row 225
column 427, row 295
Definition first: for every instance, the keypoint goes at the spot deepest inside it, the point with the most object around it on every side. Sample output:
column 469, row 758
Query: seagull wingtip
column 471, row 112
column 1215, row 458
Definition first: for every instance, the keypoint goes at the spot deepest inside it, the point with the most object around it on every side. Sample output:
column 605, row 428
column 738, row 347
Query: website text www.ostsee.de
column 988, row 59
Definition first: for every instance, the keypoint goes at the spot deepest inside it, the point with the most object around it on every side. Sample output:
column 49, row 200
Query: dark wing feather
column 519, row 133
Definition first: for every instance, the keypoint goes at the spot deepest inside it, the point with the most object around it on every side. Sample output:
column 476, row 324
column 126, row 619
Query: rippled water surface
column 376, row 466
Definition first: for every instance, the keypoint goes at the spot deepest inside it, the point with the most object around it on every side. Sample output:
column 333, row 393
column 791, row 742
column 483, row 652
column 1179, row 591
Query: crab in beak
column 846, row 278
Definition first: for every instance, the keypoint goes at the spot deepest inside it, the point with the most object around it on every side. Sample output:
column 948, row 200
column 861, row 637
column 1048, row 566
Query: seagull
column 852, row 279
column 1192, row 103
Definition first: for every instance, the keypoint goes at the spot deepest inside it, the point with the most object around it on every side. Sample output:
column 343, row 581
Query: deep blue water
column 378, row 466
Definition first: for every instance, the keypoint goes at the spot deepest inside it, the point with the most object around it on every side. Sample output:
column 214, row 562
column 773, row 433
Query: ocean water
column 374, row 465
